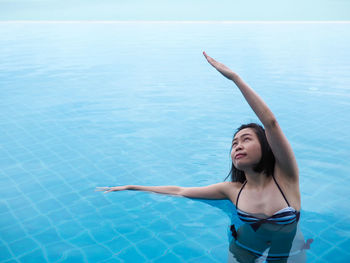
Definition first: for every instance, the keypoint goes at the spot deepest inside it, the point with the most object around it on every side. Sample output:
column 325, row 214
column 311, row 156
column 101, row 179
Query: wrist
column 234, row 76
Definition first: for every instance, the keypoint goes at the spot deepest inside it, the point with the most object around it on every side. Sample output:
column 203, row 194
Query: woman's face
column 246, row 149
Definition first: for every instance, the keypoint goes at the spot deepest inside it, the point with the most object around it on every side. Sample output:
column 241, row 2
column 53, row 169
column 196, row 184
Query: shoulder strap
column 239, row 193
column 281, row 190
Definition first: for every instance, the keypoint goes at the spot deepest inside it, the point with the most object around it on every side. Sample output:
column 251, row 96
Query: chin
column 241, row 167
column 244, row 166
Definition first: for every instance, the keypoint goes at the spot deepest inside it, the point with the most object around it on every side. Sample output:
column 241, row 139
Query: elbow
column 181, row 191
column 271, row 123
column 186, row 192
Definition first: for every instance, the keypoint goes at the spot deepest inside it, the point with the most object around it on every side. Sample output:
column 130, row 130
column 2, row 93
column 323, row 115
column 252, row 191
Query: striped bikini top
column 285, row 216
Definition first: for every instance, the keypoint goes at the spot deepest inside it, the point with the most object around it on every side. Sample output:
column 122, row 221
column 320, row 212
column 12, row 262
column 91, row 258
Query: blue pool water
column 103, row 104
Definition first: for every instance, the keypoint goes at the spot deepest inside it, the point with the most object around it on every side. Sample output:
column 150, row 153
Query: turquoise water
column 103, row 104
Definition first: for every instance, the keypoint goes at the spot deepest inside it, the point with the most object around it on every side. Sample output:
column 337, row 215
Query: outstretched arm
column 215, row 191
column 277, row 140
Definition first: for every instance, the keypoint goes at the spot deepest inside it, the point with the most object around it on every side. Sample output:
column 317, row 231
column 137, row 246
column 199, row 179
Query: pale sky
column 188, row 10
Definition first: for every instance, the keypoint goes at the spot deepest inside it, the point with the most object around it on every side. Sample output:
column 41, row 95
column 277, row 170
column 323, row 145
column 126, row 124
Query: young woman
column 264, row 182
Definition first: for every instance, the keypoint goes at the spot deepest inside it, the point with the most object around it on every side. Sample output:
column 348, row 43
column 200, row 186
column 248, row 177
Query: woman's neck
column 257, row 180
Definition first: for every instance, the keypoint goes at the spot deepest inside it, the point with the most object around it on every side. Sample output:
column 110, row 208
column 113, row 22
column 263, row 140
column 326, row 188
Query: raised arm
column 215, row 191
column 278, row 142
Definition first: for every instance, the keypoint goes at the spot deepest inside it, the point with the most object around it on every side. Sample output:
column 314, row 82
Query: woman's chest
column 266, row 201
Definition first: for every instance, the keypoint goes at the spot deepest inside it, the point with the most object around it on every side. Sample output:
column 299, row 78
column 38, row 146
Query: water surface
column 101, row 104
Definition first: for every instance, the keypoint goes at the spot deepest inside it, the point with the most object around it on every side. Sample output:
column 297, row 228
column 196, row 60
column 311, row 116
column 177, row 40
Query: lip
column 239, row 156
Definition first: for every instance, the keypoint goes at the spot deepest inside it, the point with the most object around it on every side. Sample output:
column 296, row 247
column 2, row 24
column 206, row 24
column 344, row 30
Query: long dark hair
column 267, row 161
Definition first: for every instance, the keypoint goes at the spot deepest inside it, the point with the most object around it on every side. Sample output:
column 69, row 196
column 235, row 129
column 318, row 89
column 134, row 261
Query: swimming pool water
column 102, row 104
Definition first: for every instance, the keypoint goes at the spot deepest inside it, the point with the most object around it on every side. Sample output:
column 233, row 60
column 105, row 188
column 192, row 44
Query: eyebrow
column 244, row 134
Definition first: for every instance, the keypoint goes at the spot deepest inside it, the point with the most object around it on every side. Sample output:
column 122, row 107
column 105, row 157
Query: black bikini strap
column 239, row 193
column 281, row 190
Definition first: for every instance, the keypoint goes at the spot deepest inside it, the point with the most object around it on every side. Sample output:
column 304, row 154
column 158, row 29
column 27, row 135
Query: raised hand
column 228, row 73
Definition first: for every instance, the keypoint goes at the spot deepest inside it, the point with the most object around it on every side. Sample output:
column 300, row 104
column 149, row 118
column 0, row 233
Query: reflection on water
column 91, row 104
column 269, row 243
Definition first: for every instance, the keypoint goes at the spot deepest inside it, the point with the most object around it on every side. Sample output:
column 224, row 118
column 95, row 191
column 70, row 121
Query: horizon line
column 183, row 21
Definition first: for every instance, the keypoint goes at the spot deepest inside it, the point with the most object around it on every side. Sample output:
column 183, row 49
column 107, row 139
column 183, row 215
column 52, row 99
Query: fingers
column 100, row 189
column 105, row 189
column 210, row 59
column 206, row 56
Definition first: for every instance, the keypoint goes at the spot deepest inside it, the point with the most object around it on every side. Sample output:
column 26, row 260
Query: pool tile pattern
column 93, row 111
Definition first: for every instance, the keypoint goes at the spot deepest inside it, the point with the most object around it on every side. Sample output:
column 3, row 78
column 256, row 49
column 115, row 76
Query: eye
column 246, row 139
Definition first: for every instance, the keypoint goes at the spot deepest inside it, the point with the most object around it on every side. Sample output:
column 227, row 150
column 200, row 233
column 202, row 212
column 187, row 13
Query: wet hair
column 267, row 161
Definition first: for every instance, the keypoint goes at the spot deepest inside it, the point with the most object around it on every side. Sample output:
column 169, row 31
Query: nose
column 238, row 147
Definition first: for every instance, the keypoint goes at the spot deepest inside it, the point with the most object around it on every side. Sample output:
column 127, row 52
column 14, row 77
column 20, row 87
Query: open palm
column 228, row 73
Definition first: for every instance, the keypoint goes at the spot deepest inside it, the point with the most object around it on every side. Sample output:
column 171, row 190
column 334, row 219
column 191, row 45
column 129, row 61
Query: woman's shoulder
column 286, row 179
column 231, row 189
column 232, row 185
column 290, row 188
